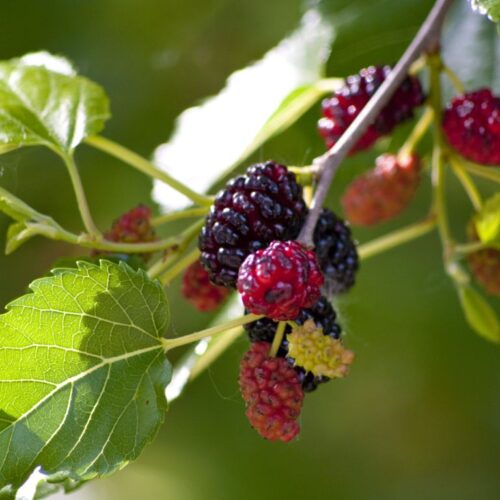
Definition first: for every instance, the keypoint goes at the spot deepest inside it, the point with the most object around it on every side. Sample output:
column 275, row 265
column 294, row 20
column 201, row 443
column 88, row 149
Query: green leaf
column 43, row 102
column 17, row 234
column 228, row 127
column 479, row 314
column 17, row 209
column 28, row 223
column 487, row 221
column 371, row 32
column 132, row 260
column 82, row 373
column 489, row 7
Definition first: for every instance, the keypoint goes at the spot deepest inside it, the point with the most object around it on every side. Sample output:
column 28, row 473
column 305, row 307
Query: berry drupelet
column 340, row 110
column 280, row 280
column 199, row 291
column 336, row 252
column 382, row 193
column 263, row 205
column 323, row 315
column 471, row 123
column 318, row 353
column 272, row 393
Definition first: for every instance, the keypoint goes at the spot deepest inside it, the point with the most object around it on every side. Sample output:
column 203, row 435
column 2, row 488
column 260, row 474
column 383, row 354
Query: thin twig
column 426, row 39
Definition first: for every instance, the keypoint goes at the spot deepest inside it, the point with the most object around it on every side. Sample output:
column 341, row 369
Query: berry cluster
column 340, row 110
column 248, row 242
column 321, row 313
column 253, row 210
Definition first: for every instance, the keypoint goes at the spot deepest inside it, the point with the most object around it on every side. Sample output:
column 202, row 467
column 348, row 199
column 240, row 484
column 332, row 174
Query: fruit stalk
column 426, row 38
column 179, row 266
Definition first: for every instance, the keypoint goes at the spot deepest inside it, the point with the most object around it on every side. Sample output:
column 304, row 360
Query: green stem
column 452, row 76
column 278, row 338
column 468, row 248
column 305, row 175
column 209, row 332
column 88, row 241
column 179, row 266
column 396, row 238
column 438, row 171
column 50, row 230
column 489, row 173
column 467, row 183
column 418, row 65
column 417, row 133
column 184, row 214
column 308, row 194
column 438, row 179
column 185, row 238
column 81, row 199
column 146, row 167
column 111, row 246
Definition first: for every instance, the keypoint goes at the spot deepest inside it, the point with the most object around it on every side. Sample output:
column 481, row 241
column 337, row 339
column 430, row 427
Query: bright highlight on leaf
column 489, row 7
column 42, row 102
column 256, row 103
column 82, row 373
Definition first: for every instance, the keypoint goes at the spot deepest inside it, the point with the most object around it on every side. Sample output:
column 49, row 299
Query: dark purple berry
column 336, row 252
column 340, row 110
column 254, row 209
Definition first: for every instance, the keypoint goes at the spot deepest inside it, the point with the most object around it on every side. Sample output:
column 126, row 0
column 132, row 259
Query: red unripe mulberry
column 272, row 392
column 199, row 291
column 382, row 193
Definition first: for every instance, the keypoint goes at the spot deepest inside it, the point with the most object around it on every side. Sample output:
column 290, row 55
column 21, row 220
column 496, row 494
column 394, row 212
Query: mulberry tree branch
column 426, row 39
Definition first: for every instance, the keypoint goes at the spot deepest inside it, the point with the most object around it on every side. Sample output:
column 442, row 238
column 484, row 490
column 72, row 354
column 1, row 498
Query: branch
column 426, row 39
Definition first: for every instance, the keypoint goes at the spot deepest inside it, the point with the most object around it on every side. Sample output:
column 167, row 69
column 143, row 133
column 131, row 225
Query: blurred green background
column 419, row 415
